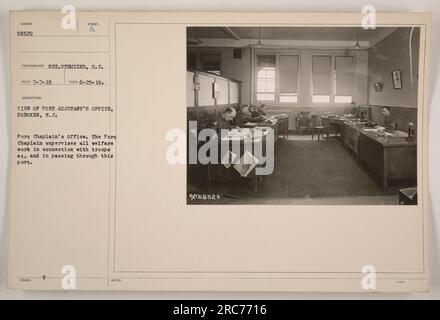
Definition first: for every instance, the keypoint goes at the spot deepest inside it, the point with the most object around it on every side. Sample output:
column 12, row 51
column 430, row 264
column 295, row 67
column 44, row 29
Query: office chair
column 303, row 121
column 316, row 124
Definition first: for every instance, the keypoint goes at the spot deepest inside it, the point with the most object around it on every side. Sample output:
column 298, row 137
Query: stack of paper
column 247, row 162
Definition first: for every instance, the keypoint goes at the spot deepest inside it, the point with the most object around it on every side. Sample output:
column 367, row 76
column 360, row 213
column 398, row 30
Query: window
column 344, row 78
column 332, row 79
column 291, row 97
column 266, row 77
column 210, row 62
column 321, row 79
column 289, row 67
column 343, row 99
column 277, row 78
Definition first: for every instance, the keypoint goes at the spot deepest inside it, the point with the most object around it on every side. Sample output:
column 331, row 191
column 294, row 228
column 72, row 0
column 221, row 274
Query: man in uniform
column 245, row 115
column 258, row 111
column 387, row 121
column 225, row 119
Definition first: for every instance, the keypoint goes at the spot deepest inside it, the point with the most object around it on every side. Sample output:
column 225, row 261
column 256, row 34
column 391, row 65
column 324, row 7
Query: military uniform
column 388, row 123
column 241, row 118
column 222, row 123
column 257, row 113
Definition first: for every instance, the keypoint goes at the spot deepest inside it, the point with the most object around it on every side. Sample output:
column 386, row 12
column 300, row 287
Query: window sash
column 321, row 75
column 288, row 98
column 265, row 77
column 344, row 75
column 289, row 72
column 277, row 77
column 265, row 96
column 334, row 92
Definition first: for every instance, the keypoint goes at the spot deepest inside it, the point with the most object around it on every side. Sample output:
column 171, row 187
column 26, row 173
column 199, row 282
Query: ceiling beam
column 231, row 33
column 382, row 35
column 190, row 38
column 270, row 43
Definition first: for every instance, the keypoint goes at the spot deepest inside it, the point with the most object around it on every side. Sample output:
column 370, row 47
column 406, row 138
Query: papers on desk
column 247, row 162
column 280, row 116
column 244, row 166
column 254, row 134
column 250, row 124
column 238, row 134
column 399, row 134
column 375, row 129
column 379, row 132
column 271, row 121
column 394, row 134
column 228, row 159
column 370, row 130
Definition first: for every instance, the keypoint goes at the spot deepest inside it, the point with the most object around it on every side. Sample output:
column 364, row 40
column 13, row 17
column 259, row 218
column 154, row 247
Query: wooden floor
column 306, row 172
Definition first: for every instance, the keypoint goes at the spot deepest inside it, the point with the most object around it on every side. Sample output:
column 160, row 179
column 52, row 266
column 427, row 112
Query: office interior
column 341, row 101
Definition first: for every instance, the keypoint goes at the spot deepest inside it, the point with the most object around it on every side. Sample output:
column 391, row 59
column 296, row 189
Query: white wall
column 237, row 69
column 390, row 54
column 223, row 5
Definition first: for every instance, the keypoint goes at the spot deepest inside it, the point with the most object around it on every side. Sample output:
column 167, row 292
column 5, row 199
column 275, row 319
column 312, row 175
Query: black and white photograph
column 302, row 115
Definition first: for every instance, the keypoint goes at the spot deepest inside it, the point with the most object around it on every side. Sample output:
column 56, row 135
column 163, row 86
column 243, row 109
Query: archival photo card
column 129, row 131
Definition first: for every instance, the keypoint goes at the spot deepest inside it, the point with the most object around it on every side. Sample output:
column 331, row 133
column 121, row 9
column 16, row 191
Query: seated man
column 387, row 122
column 225, row 119
column 244, row 115
column 258, row 111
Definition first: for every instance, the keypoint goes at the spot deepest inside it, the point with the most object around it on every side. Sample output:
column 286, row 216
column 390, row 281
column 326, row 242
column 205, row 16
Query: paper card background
column 153, row 5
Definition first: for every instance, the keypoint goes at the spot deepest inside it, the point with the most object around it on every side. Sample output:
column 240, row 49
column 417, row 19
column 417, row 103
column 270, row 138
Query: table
column 393, row 157
column 329, row 122
column 248, row 141
column 279, row 123
column 282, row 127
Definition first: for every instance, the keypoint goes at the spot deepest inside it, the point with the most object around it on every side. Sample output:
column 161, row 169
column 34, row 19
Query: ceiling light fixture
column 357, row 46
column 259, row 45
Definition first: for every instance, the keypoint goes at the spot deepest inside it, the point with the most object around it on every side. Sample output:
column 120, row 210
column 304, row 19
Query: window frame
column 333, row 79
column 277, row 54
column 257, row 69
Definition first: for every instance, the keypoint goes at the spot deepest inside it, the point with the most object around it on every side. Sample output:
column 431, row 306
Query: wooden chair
column 316, row 125
column 303, row 121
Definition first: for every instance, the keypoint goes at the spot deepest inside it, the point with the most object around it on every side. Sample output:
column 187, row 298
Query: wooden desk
column 330, row 122
column 386, row 158
column 283, row 127
column 280, row 126
column 350, row 138
column 246, row 143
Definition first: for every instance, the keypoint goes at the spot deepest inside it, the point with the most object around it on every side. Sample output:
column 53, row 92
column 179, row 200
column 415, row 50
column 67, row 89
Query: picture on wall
column 397, row 79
